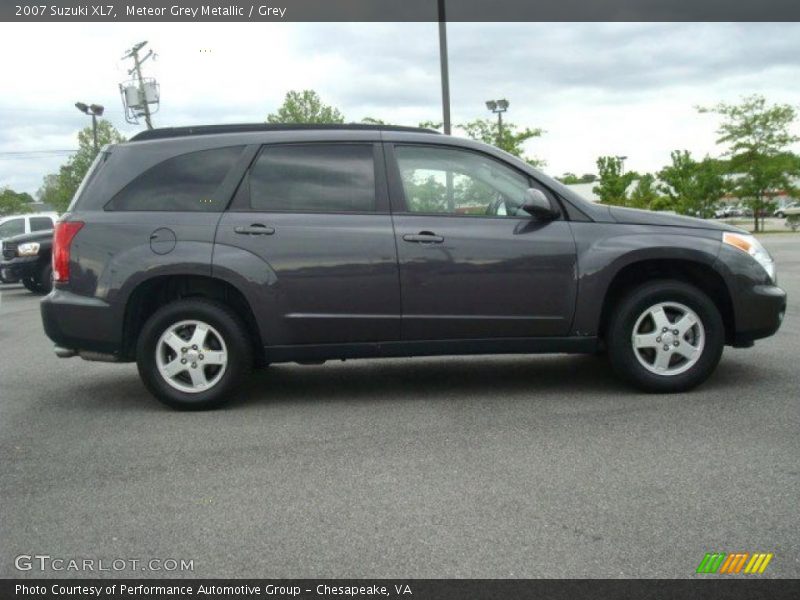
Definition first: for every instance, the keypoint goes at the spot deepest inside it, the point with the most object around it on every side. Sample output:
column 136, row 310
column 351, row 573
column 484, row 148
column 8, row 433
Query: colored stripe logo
column 734, row 563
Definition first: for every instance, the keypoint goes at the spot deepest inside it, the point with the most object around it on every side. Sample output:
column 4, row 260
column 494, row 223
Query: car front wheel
column 666, row 336
column 192, row 354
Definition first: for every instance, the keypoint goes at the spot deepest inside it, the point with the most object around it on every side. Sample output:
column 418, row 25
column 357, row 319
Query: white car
column 12, row 225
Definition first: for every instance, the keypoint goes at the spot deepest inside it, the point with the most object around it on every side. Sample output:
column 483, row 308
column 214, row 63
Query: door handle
column 423, row 237
column 254, row 229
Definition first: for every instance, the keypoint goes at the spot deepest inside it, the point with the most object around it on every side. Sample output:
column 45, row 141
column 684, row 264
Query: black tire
column 231, row 329
column 620, row 330
column 45, row 278
column 31, row 285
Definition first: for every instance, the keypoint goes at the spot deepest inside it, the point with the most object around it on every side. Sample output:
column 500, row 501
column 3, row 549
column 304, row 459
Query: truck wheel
column 31, row 285
column 665, row 336
column 46, row 278
column 192, row 354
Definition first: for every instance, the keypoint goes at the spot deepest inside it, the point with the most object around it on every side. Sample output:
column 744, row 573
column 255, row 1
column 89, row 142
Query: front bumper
column 761, row 310
column 80, row 323
column 19, row 268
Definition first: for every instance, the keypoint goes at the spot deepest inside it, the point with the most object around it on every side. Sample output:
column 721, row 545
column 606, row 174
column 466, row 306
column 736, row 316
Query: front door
column 317, row 216
column 473, row 264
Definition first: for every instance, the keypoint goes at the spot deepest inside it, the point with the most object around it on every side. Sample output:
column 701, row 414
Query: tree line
column 756, row 161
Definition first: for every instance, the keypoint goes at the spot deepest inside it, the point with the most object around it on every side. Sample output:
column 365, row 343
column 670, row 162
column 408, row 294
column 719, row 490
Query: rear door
column 317, row 217
column 473, row 264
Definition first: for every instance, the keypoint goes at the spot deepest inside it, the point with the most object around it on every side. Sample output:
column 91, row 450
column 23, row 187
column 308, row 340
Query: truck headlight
column 748, row 243
column 29, row 249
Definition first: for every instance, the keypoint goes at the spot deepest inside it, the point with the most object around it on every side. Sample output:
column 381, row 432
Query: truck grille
column 9, row 250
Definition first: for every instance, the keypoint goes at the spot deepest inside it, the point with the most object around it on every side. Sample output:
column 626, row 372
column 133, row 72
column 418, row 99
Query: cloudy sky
column 596, row 88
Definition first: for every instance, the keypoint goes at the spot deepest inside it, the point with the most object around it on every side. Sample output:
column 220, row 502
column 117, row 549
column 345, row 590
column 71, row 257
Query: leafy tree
column 645, row 193
column 694, row 187
column 373, row 121
column 568, row 178
column 58, row 188
column 305, row 107
column 758, row 138
column 14, row 203
column 613, row 183
column 511, row 140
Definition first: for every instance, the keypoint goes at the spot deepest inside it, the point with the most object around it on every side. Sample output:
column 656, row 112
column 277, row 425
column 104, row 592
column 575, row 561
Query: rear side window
column 41, row 223
column 313, row 177
column 184, row 183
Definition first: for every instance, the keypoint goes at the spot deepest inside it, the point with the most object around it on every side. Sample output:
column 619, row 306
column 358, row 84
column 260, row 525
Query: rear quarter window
column 41, row 223
column 185, row 183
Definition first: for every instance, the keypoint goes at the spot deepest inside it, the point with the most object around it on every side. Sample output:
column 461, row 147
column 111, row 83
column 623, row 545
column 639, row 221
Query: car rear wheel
column 666, row 336
column 192, row 354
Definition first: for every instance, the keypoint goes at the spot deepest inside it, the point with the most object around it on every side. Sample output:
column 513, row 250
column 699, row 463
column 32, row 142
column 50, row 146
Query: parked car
column 199, row 252
column 780, row 212
column 728, row 212
column 12, row 225
column 26, row 258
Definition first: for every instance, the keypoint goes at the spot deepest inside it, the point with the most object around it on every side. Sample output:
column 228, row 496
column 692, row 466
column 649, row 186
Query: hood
column 36, row 236
column 634, row 216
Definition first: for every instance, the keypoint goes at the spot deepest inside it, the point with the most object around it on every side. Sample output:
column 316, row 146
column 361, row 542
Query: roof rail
column 171, row 132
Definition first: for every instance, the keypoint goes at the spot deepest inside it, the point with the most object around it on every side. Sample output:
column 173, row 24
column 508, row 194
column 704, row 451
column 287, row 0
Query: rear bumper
column 760, row 313
column 80, row 323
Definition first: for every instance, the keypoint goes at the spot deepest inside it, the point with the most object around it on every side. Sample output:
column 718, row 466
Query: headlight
column 748, row 243
column 29, row 249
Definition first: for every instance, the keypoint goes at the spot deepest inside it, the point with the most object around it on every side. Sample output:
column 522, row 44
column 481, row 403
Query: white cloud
column 596, row 88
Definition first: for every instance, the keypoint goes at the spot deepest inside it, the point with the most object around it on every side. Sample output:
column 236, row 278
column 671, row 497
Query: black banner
column 398, row 10
column 732, row 588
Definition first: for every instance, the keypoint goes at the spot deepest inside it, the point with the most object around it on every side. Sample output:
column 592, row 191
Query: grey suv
column 202, row 252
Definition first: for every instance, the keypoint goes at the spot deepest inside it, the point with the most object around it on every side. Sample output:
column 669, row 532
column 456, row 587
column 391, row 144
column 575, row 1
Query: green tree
column 511, row 140
column 694, row 187
column 569, row 178
column 613, row 183
column 14, row 203
column 758, row 137
column 305, row 107
column 58, row 188
column 645, row 192
column 373, row 121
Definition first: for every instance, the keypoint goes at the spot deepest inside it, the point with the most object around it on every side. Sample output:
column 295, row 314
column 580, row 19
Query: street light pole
column 94, row 111
column 622, row 160
column 444, row 67
column 498, row 107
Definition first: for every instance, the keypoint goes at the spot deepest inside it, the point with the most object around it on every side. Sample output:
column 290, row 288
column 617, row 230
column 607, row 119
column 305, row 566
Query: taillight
column 62, row 238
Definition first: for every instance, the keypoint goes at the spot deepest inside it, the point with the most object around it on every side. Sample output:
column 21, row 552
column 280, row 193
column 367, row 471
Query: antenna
column 139, row 93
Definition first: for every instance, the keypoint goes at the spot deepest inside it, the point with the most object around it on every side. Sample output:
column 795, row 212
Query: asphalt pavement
column 522, row 466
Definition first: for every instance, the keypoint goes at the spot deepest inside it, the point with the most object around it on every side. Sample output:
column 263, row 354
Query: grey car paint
column 327, row 286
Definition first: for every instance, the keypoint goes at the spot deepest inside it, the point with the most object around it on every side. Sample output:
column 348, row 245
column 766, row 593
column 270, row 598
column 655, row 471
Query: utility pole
column 445, row 73
column 136, row 72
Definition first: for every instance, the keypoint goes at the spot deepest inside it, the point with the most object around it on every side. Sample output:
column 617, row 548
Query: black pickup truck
column 26, row 258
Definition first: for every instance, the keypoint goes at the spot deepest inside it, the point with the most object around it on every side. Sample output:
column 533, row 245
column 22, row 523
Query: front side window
column 458, row 182
column 41, row 223
column 313, row 177
column 184, row 183
column 11, row 228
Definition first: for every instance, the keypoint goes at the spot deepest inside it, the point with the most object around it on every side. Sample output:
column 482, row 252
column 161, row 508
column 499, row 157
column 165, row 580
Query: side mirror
column 538, row 205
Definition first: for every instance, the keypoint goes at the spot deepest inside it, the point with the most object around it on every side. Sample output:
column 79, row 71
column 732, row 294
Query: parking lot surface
column 523, row 466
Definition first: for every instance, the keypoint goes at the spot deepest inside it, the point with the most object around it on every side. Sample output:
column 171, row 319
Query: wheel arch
column 693, row 272
column 154, row 292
